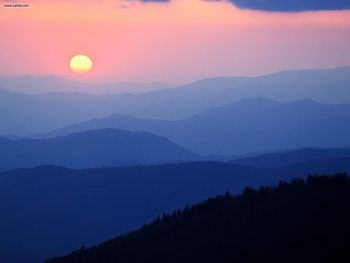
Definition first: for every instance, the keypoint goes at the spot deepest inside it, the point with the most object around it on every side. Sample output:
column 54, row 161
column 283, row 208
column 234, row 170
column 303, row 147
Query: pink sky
column 176, row 42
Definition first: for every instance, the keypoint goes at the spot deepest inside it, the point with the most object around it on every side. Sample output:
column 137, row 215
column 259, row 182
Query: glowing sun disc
column 80, row 64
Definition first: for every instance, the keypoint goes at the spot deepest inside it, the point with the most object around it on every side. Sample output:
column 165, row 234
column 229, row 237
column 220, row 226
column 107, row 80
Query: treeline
column 296, row 221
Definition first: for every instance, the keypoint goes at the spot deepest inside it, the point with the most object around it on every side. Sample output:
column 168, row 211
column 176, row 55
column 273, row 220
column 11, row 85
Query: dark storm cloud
column 292, row 5
column 282, row 5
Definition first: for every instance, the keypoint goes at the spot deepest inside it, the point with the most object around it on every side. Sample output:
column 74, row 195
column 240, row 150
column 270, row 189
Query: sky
column 172, row 41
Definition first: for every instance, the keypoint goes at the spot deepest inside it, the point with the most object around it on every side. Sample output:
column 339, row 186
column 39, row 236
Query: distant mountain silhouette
column 91, row 149
column 294, row 222
column 248, row 126
column 48, row 84
column 291, row 157
column 24, row 115
column 49, row 211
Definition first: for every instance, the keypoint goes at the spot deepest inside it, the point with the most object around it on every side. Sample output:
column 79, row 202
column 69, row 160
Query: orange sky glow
column 174, row 42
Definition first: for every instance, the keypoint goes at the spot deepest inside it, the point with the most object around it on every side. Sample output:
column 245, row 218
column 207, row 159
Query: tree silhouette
column 296, row 221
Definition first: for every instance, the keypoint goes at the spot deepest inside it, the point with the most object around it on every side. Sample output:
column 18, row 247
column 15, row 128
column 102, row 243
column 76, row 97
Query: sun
column 80, row 64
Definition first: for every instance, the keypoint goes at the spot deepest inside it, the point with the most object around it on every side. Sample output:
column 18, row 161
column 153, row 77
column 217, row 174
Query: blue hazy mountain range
column 50, row 211
column 147, row 153
column 279, row 159
column 49, row 84
column 23, row 114
column 110, row 147
column 107, row 147
column 248, row 126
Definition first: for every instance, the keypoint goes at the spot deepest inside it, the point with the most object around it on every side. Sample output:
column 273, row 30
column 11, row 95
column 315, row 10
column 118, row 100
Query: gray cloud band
column 283, row 5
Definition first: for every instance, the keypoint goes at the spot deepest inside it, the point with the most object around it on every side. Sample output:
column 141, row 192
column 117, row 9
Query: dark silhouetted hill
column 49, row 211
column 293, row 222
column 91, row 149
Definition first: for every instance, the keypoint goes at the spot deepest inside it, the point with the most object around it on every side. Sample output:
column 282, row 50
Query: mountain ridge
column 289, row 222
column 61, row 209
column 290, row 157
column 91, row 148
column 250, row 125
column 39, row 85
column 22, row 115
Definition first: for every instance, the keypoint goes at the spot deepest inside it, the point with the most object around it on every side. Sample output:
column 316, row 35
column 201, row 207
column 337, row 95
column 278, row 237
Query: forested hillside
column 299, row 221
